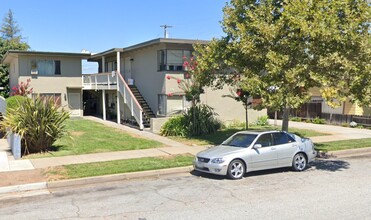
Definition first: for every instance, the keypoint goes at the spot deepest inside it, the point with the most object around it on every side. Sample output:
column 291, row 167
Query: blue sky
column 73, row 25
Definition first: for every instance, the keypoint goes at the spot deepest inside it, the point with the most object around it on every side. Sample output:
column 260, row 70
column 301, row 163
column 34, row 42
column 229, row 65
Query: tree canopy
column 278, row 50
column 10, row 29
column 11, row 40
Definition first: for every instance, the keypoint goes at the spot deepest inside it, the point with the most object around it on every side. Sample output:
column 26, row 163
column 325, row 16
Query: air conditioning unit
column 34, row 72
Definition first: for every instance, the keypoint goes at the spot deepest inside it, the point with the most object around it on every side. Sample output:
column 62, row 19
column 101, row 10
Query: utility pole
column 165, row 29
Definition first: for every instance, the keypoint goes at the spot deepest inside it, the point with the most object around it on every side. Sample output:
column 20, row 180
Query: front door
column 264, row 157
column 127, row 68
column 74, row 103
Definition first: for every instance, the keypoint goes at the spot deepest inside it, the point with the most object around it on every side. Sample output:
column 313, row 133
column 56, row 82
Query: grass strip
column 93, row 137
column 118, row 166
column 343, row 145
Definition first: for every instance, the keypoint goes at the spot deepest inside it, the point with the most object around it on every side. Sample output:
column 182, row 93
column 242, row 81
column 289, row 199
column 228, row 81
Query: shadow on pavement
column 207, row 175
column 330, row 165
column 326, row 165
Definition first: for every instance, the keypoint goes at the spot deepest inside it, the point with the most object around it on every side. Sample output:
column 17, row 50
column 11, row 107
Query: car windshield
column 240, row 140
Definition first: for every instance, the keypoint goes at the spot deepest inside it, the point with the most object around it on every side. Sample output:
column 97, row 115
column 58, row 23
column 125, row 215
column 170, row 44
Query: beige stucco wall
column 156, row 124
column 228, row 109
column 144, row 72
column 70, row 77
column 315, row 91
column 13, row 73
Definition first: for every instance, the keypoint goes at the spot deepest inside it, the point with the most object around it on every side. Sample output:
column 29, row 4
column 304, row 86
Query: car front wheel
column 236, row 169
column 299, row 163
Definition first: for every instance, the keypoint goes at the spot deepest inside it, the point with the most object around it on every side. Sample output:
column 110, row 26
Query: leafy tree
column 10, row 29
column 243, row 96
column 11, row 40
column 281, row 49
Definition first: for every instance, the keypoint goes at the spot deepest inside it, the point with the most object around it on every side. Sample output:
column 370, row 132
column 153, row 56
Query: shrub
column 175, row 126
column 262, row 121
column 39, row 122
column 295, row 119
column 197, row 120
column 201, row 120
column 237, row 124
column 14, row 102
column 318, row 120
column 344, row 125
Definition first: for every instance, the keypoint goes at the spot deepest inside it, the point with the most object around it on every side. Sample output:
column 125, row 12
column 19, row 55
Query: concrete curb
column 23, row 188
column 346, row 153
column 118, row 177
column 93, row 180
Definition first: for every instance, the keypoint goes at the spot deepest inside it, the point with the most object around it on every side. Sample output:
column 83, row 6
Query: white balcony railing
column 99, row 81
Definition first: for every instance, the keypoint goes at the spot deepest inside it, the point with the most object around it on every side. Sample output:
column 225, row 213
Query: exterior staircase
column 147, row 111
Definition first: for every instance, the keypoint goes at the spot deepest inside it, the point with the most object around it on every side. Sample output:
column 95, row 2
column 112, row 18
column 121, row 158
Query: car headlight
column 217, row 160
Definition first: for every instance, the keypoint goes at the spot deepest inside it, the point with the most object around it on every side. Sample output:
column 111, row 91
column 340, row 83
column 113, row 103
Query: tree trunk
column 285, row 119
column 275, row 118
column 247, row 119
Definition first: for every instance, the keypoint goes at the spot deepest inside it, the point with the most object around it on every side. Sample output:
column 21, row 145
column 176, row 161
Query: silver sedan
column 251, row 151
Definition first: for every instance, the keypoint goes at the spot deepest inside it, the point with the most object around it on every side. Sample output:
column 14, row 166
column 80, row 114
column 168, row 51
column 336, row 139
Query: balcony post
column 103, row 65
column 118, row 59
column 104, row 103
column 118, row 88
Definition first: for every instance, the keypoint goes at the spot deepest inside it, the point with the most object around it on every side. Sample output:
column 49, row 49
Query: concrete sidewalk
column 336, row 133
column 7, row 161
column 117, row 155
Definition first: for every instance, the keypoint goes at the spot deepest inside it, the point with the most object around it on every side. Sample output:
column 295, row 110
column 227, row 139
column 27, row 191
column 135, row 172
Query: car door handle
column 273, row 148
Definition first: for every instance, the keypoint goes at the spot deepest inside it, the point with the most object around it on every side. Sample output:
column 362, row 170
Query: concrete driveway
column 336, row 133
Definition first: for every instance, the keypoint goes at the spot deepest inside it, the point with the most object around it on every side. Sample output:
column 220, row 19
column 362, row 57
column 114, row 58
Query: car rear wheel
column 236, row 169
column 299, row 163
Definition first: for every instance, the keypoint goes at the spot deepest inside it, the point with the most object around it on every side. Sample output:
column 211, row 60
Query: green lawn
column 92, row 137
column 222, row 135
column 342, row 145
column 118, row 166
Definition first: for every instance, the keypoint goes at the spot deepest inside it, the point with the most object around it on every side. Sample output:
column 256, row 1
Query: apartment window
column 46, row 67
column 162, row 104
column 57, row 64
column 171, row 60
column 56, row 97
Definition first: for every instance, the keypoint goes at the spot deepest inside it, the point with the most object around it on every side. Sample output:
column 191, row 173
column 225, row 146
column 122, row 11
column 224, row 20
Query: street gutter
column 143, row 174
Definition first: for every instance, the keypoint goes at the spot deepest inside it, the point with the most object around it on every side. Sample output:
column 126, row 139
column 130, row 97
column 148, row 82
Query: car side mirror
column 257, row 146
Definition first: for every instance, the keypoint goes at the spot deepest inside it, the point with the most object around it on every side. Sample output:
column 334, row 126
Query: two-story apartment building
column 52, row 74
column 146, row 68
column 131, row 84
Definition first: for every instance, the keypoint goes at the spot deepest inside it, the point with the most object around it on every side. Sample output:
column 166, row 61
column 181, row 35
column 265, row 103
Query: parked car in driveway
column 248, row 151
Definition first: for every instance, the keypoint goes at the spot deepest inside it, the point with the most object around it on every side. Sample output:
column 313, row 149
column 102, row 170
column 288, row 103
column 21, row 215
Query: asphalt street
column 329, row 189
